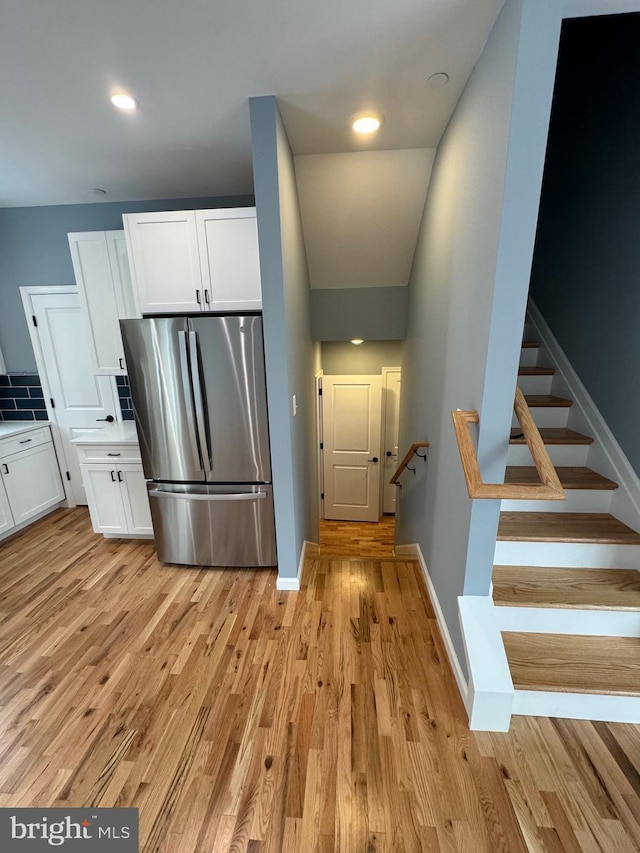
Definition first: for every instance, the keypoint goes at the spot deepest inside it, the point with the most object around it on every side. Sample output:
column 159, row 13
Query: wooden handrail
column 406, row 459
column 549, row 488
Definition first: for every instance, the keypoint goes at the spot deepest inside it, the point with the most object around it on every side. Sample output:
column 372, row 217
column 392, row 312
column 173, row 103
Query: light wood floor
column 239, row 718
column 358, row 538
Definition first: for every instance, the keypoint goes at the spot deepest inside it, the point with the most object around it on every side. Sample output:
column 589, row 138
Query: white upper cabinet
column 229, row 261
column 104, row 286
column 164, row 260
column 194, row 260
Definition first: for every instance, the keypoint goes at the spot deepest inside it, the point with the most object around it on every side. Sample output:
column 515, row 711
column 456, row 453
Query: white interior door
column 391, row 378
column 351, row 427
column 82, row 401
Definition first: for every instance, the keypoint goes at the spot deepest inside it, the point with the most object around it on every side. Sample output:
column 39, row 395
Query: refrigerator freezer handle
column 197, row 399
column 188, row 395
column 182, row 496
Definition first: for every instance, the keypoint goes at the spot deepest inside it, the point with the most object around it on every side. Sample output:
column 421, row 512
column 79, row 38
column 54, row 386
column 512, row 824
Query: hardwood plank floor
column 358, row 538
column 240, row 718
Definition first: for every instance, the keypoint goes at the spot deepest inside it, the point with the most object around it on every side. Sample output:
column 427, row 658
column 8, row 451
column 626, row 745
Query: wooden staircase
column 566, row 584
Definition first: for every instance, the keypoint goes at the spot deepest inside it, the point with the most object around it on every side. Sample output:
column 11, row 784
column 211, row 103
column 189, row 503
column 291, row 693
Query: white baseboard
column 293, row 584
column 613, row 458
column 415, row 552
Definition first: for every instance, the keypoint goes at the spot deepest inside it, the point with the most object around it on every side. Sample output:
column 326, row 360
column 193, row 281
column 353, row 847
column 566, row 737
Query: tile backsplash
column 21, row 398
column 124, row 397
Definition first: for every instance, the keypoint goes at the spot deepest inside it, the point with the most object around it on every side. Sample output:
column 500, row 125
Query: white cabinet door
column 134, row 487
column 164, row 259
column 6, row 519
column 95, row 280
column 104, row 495
column 121, row 275
column 229, row 261
column 32, row 481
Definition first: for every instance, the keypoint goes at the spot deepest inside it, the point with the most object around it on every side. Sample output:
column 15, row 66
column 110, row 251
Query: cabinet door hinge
column 322, row 445
column 68, row 476
column 35, row 319
column 53, row 403
column 321, row 496
column 319, row 392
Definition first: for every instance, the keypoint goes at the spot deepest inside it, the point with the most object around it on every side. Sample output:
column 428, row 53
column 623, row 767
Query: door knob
column 375, row 459
column 110, row 419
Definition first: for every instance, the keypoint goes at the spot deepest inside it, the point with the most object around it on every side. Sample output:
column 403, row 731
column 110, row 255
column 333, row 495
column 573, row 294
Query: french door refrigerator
column 199, row 399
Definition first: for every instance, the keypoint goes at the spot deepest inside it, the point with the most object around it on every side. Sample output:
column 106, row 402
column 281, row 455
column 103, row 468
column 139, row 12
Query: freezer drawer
column 213, row 525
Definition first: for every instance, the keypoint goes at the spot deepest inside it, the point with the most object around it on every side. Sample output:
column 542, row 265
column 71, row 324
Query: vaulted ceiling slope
column 192, row 65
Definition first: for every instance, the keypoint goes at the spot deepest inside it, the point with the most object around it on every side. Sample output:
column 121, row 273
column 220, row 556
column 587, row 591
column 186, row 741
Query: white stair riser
column 529, row 356
column 535, row 384
column 560, row 454
column 559, row 620
column 577, row 706
column 578, row 500
column 548, row 416
column 567, row 554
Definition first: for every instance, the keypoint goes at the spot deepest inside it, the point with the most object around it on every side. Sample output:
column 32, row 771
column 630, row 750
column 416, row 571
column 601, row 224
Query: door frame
column 52, row 290
column 385, row 375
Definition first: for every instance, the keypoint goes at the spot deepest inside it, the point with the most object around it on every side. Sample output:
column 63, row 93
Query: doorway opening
column 358, row 403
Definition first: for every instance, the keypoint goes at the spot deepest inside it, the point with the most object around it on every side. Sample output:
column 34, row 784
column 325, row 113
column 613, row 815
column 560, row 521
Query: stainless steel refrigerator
column 200, row 404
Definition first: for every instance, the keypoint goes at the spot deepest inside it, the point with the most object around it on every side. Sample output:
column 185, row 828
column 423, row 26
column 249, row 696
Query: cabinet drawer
column 24, row 441
column 108, row 453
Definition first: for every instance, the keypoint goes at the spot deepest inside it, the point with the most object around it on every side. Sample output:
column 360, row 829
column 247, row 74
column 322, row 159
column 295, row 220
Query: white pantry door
column 391, row 378
column 82, row 402
column 351, row 425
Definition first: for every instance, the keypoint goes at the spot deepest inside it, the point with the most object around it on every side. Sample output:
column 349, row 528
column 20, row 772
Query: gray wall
column 586, row 271
column 287, row 331
column 371, row 313
column 34, row 251
column 339, row 357
column 468, row 294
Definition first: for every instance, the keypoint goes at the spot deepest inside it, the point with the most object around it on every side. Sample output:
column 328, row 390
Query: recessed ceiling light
column 366, row 122
column 357, row 341
column 438, row 80
column 123, row 101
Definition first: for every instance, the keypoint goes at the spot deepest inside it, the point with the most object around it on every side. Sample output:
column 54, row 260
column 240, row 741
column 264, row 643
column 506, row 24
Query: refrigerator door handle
column 181, row 496
column 188, row 395
column 198, row 402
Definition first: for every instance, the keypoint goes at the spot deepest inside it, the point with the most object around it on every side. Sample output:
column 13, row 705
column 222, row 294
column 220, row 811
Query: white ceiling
column 192, row 65
column 361, row 213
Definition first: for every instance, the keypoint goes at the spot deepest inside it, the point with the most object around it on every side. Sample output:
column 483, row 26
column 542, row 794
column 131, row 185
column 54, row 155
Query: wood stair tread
column 571, row 477
column 586, row 527
column 536, row 371
column 584, row 589
column 535, row 401
column 574, row 664
column 554, row 435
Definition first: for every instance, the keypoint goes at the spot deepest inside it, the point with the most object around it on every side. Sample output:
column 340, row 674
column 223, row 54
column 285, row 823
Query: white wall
column 468, row 294
column 290, row 354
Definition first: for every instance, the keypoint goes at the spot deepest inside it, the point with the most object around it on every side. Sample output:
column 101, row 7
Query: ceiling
column 192, row 66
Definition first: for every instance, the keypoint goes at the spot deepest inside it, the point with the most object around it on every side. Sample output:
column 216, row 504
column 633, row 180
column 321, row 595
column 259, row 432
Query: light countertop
column 10, row 428
column 117, row 433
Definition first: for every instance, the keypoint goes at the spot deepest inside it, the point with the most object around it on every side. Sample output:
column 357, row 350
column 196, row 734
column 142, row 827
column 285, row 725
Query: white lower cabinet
column 30, row 481
column 117, row 496
column 6, row 519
